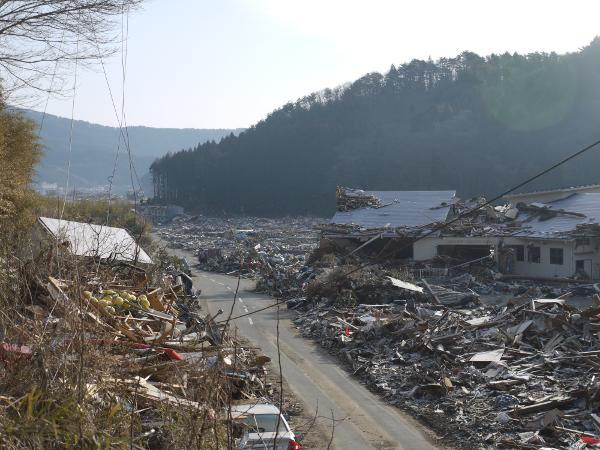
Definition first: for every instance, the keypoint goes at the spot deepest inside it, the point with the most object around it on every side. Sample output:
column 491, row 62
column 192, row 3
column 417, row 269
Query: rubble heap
column 253, row 246
column 348, row 199
column 519, row 376
column 129, row 348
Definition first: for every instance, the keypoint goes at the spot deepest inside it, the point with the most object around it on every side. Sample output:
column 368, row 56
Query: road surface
column 362, row 420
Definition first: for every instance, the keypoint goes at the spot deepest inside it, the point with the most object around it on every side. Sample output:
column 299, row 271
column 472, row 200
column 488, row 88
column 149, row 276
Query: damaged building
column 87, row 240
column 555, row 239
column 384, row 223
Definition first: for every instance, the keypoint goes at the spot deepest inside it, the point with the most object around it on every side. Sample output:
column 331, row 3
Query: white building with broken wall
column 556, row 239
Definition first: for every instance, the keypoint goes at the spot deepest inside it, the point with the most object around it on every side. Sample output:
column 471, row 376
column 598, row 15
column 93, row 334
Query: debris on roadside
column 524, row 375
column 130, row 343
column 484, row 358
column 348, row 199
column 270, row 250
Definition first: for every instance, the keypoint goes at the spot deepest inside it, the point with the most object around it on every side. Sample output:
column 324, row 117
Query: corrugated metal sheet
column 400, row 209
column 584, row 203
column 96, row 240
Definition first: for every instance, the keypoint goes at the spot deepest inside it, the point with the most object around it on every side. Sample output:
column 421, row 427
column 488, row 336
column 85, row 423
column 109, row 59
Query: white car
column 258, row 423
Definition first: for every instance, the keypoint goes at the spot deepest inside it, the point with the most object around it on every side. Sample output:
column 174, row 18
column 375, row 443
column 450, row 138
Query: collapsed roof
column 411, row 212
column 562, row 217
column 391, row 209
column 86, row 239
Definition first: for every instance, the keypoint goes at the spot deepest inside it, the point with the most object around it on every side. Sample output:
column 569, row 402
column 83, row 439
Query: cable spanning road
column 362, row 421
column 314, row 376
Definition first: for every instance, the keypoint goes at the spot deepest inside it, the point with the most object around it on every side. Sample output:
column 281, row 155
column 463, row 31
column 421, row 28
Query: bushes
column 19, row 152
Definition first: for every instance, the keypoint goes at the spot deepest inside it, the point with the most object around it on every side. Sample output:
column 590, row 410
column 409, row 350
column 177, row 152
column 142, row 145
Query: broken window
column 533, row 254
column 519, row 252
column 556, row 256
column 579, row 242
column 584, row 267
column 464, row 252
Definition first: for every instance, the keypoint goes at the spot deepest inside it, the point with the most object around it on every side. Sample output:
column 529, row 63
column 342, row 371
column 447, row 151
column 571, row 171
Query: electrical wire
column 71, row 131
column 456, row 219
column 119, row 122
column 48, row 97
column 124, row 51
column 488, row 202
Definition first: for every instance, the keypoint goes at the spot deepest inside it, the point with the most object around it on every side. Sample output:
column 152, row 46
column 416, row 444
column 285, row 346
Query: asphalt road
column 362, row 420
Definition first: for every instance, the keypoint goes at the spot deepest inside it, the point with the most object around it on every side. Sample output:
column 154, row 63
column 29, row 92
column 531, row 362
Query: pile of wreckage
column 270, row 249
column 122, row 337
column 348, row 199
column 523, row 375
column 492, row 359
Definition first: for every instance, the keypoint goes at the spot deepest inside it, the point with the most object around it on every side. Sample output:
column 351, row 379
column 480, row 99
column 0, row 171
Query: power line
column 71, row 132
column 454, row 220
column 278, row 302
column 48, row 98
column 488, row 202
column 124, row 53
column 119, row 122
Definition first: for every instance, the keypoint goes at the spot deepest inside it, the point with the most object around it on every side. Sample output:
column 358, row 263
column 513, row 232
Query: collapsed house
column 386, row 222
column 87, row 240
column 556, row 239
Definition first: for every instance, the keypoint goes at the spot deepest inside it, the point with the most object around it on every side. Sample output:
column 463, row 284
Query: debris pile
column 348, row 199
column 524, row 375
column 130, row 347
column 251, row 245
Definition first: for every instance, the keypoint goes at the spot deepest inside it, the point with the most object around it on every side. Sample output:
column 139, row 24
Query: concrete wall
column 544, row 268
column 426, row 249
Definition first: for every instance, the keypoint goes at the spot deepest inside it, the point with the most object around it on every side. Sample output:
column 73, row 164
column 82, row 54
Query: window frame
column 562, row 256
column 519, row 252
column 529, row 254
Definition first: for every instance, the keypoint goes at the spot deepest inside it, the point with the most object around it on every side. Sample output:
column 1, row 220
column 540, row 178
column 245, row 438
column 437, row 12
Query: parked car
column 257, row 427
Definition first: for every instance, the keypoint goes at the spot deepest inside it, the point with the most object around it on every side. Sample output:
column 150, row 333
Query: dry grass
column 75, row 388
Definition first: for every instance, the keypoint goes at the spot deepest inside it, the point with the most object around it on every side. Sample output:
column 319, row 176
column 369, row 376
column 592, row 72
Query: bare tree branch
column 42, row 37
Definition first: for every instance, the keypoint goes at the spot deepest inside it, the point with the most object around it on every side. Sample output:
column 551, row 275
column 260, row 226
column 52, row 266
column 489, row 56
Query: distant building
column 160, row 213
column 557, row 239
column 88, row 240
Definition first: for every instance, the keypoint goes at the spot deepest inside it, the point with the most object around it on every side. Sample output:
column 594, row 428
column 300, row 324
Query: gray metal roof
column 87, row 239
column 581, row 187
column 399, row 209
column 584, row 203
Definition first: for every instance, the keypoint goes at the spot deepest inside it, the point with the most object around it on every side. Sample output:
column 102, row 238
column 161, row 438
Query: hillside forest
column 471, row 123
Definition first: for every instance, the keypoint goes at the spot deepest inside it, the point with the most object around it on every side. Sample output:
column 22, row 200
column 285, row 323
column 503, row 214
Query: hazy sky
column 228, row 63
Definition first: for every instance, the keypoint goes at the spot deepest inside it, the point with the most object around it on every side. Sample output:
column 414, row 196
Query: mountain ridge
column 94, row 149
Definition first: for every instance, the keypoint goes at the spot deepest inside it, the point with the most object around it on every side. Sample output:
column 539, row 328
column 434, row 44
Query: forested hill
column 471, row 123
column 94, row 149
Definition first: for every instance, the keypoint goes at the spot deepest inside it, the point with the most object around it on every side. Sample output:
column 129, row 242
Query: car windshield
column 265, row 423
